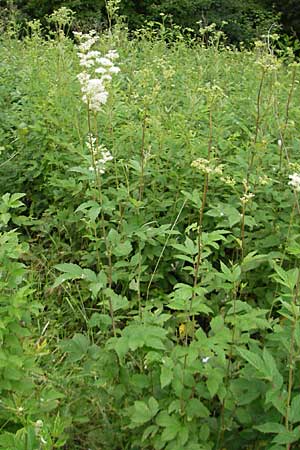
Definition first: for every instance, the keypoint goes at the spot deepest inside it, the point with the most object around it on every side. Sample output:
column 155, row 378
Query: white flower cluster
column 207, row 166
column 295, row 181
column 100, row 155
column 97, row 71
column 247, row 197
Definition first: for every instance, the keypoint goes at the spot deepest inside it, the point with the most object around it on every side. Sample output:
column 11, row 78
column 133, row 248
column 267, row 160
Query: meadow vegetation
column 149, row 241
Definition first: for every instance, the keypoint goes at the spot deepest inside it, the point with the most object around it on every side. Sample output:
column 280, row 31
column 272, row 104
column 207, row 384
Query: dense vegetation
column 149, row 241
column 241, row 20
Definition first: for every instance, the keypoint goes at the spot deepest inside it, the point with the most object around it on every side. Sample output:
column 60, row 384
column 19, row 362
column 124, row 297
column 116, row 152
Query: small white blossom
column 104, row 61
column 100, row 70
column 247, row 197
column 114, row 69
column 112, row 54
column 207, row 166
column 295, row 181
column 100, row 155
column 205, row 359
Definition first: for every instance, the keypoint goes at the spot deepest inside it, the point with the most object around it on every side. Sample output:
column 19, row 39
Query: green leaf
column 171, row 424
column 253, row 359
column 294, row 415
column 122, row 249
column 118, row 301
column 214, row 380
column 142, row 412
column 271, row 427
column 76, row 347
column 271, row 367
column 166, row 376
column 72, row 269
column 149, row 432
column 195, row 408
column 278, row 399
column 287, row 437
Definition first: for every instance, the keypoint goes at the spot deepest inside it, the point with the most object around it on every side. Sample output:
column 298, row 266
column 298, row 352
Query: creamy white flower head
column 104, row 157
column 94, row 54
column 83, row 78
column 247, row 197
column 106, row 62
column 295, row 181
column 114, row 69
column 100, row 70
column 87, row 62
column 94, row 89
column 106, row 77
column 112, row 54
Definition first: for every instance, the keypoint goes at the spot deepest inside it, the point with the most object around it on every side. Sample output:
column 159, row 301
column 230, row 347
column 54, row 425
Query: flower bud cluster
column 247, row 197
column 97, row 71
column 207, row 166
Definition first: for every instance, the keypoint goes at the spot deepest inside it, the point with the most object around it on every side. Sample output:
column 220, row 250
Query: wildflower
column 104, row 62
column 38, row 426
column 114, row 69
column 207, row 166
column 205, row 359
column 97, row 71
column 295, row 181
column 247, row 197
column 100, row 155
column 264, row 180
column 95, row 94
column 228, row 180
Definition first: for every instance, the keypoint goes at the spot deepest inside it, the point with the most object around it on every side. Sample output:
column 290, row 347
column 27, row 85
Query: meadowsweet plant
column 97, row 71
column 94, row 79
column 169, row 277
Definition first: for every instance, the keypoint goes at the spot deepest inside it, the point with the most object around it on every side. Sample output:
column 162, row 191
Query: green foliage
column 169, row 280
column 25, row 401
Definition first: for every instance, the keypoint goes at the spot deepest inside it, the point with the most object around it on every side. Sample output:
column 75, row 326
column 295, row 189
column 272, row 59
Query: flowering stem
column 287, row 112
column 200, row 225
column 142, row 183
column 257, row 123
column 203, row 203
column 100, row 200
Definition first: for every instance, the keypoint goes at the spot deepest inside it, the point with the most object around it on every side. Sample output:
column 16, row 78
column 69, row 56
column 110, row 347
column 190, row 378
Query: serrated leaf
column 195, row 408
column 253, row 359
column 150, row 431
column 271, row 427
column 287, row 437
column 71, row 269
column 141, row 413
column 76, row 347
column 122, row 249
